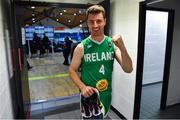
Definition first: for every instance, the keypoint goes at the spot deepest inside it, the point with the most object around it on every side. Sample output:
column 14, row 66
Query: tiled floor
column 150, row 104
column 61, row 108
column 75, row 114
column 49, row 78
column 172, row 112
column 150, row 100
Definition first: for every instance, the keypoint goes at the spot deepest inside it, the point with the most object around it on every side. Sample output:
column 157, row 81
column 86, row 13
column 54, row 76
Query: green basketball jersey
column 97, row 67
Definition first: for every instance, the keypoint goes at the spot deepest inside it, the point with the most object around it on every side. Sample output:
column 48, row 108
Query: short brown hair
column 95, row 9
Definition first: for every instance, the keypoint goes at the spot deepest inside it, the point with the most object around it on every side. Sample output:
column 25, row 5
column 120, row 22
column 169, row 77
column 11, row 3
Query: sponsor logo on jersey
column 110, row 44
column 102, row 85
column 89, row 46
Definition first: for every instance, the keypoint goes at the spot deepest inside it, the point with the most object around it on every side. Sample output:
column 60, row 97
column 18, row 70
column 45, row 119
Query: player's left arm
column 121, row 54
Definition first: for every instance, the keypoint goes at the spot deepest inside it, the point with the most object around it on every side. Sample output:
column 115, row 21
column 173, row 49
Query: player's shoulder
column 79, row 47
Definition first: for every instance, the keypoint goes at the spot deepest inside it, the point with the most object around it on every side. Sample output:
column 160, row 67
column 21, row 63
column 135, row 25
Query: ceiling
column 68, row 16
column 66, row 1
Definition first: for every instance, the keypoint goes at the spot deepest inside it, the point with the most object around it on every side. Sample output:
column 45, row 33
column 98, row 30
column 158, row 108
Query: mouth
column 95, row 30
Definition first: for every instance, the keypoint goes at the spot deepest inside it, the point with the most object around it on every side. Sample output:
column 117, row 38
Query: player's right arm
column 75, row 64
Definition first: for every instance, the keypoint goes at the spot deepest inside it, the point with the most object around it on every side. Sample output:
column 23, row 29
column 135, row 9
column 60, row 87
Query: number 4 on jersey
column 101, row 70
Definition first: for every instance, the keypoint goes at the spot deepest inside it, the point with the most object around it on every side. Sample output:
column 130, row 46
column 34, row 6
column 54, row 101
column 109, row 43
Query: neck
column 98, row 38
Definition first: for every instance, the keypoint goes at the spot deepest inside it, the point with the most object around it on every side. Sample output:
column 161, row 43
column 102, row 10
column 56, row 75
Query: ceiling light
column 80, row 25
column 80, row 21
column 32, row 7
column 75, row 14
column 33, row 14
column 61, row 13
column 33, row 19
column 69, row 21
column 64, row 10
column 57, row 19
column 79, row 11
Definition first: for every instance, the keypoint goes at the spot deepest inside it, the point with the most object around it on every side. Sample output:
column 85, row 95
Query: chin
column 96, row 34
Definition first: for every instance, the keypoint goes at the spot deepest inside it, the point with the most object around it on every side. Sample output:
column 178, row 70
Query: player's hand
column 117, row 39
column 88, row 91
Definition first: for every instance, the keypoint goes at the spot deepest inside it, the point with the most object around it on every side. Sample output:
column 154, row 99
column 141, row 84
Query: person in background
column 37, row 44
column 45, row 44
column 66, row 50
column 96, row 55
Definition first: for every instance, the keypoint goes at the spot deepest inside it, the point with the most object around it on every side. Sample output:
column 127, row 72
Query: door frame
column 140, row 56
column 106, row 4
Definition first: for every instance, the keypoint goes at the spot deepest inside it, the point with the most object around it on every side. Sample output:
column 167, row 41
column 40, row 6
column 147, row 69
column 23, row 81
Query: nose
column 95, row 24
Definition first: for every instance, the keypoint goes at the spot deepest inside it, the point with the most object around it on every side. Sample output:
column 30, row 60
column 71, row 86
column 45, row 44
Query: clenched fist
column 117, row 39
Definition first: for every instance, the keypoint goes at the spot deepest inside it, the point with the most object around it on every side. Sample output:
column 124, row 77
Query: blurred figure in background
column 66, row 50
column 36, row 44
column 45, row 44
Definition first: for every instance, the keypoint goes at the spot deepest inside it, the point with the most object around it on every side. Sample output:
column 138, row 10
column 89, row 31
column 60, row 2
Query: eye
column 99, row 21
column 90, row 21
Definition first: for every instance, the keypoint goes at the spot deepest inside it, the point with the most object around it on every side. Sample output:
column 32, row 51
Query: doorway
column 154, row 51
column 45, row 103
column 154, row 55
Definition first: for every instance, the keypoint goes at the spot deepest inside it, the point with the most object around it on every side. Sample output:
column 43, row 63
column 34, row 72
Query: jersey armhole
column 113, row 45
column 82, row 50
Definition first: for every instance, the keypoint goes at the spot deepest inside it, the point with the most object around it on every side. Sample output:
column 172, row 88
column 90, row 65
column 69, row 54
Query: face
column 96, row 23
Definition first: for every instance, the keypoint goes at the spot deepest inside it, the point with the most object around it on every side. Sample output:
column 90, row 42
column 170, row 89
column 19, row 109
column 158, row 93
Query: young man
column 96, row 55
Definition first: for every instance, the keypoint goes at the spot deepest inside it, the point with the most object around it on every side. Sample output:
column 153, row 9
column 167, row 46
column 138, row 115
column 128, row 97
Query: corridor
column 45, row 91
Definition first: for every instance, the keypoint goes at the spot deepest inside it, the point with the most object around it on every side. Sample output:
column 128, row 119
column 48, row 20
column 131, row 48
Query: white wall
column 174, row 82
column 5, row 97
column 124, row 20
column 173, row 96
